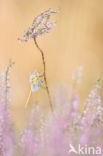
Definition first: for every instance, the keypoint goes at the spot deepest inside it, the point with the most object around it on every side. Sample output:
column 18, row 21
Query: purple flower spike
column 40, row 26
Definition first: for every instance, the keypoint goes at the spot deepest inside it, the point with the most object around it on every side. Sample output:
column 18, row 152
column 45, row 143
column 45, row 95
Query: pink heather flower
column 6, row 131
column 30, row 140
column 40, row 26
column 93, row 107
column 74, row 102
column 54, row 135
column 84, row 137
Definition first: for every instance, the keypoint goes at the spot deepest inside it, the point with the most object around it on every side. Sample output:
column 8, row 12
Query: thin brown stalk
column 44, row 73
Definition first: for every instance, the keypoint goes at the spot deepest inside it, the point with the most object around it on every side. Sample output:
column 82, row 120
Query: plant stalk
column 44, row 73
column 28, row 98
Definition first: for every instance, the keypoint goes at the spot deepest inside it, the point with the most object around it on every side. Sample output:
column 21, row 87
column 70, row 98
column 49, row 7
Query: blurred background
column 76, row 39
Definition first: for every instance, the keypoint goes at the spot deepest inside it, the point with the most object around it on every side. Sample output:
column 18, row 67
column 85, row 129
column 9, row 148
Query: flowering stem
column 28, row 99
column 7, row 87
column 45, row 79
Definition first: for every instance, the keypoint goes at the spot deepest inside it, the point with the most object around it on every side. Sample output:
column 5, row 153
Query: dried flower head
column 40, row 26
column 35, row 80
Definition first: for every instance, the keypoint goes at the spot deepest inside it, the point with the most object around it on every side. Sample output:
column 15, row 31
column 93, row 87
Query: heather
column 65, row 124
column 52, row 134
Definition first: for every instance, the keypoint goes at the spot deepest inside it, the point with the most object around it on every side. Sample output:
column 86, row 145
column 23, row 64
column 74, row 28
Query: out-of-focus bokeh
column 76, row 39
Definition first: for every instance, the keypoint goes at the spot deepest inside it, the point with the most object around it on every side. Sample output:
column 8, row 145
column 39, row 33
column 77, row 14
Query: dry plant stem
column 28, row 98
column 44, row 73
